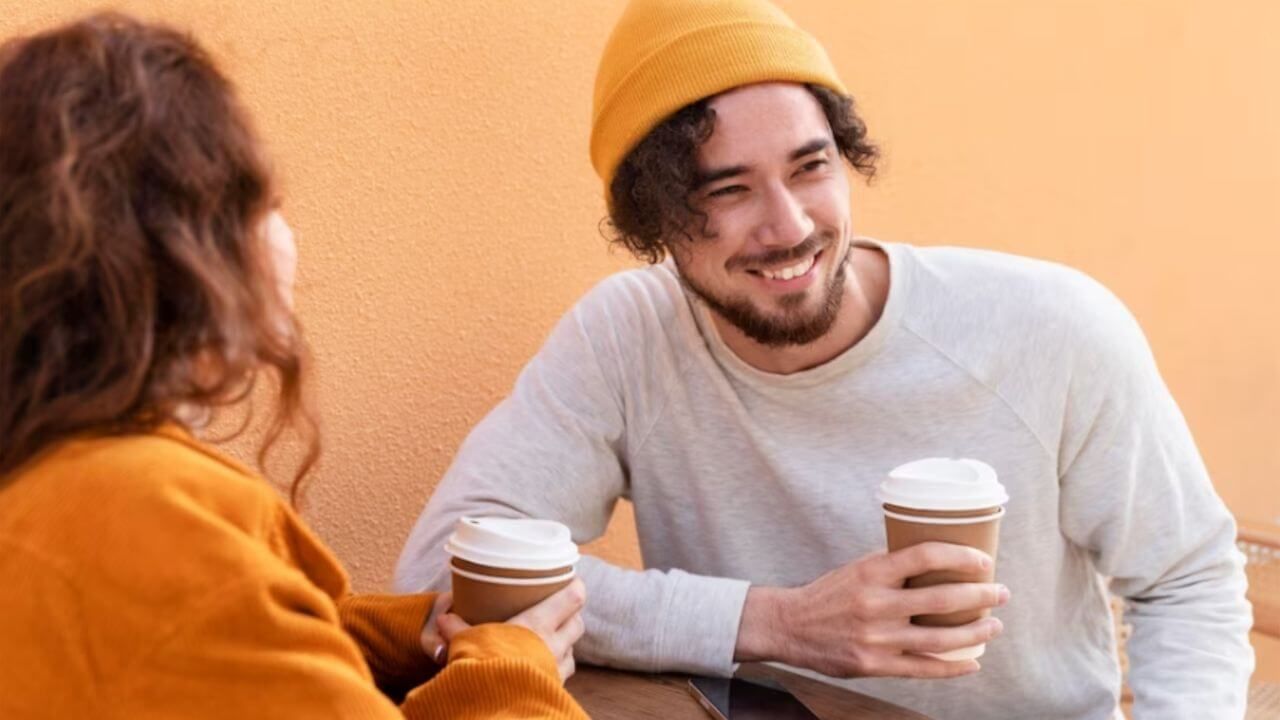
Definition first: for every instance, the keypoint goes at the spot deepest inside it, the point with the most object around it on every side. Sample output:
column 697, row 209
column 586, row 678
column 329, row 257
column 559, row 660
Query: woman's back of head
column 134, row 278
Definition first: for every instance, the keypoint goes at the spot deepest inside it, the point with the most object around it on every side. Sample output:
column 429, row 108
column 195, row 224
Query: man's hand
column 855, row 621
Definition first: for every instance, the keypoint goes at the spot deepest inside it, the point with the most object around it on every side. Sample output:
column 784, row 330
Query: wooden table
column 608, row 694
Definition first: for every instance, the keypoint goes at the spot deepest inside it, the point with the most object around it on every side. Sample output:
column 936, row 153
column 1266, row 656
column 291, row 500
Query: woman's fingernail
column 1004, row 594
column 439, row 654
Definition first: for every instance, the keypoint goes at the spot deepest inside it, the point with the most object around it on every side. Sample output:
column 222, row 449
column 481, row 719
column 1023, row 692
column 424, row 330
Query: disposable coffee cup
column 947, row 500
column 504, row 566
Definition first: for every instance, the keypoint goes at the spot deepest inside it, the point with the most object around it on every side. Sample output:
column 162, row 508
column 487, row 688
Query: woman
column 144, row 279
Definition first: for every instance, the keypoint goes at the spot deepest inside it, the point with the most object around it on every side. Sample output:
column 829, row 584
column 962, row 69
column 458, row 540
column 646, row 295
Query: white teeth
column 787, row 273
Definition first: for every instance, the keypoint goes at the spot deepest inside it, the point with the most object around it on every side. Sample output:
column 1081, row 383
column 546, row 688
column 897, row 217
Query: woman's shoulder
column 112, row 546
column 141, row 480
column 130, row 512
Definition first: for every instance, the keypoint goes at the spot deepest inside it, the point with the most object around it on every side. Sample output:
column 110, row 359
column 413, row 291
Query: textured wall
column 435, row 167
column 435, row 171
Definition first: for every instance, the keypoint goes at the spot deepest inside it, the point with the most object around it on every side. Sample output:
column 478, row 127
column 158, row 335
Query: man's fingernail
column 1003, row 594
column 986, row 562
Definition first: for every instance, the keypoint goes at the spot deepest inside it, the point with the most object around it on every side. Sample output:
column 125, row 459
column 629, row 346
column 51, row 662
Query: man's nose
column 784, row 222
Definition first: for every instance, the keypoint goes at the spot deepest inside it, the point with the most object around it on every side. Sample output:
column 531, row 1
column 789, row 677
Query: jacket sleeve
column 387, row 629
column 272, row 645
column 495, row 671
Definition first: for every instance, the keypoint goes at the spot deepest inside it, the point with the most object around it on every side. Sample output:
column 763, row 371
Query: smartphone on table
column 739, row 699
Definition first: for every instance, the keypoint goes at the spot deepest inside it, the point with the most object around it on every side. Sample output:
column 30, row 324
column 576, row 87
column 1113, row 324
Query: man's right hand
column 855, row 621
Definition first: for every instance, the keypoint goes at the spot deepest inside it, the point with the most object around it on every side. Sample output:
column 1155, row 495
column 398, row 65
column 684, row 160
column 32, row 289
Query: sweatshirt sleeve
column 495, row 672
column 388, row 631
column 271, row 646
column 1137, row 497
column 555, row 449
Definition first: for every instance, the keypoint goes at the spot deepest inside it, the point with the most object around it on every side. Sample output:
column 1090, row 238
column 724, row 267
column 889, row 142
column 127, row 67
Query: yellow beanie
column 665, row 54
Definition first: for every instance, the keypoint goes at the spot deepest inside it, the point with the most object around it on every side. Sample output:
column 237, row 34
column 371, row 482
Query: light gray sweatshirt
column 743, row 477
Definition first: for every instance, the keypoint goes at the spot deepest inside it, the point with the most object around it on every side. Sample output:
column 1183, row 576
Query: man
column 749, row 394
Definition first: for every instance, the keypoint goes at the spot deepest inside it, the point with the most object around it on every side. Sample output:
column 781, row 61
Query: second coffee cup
column 503, row 566
column 945, row 500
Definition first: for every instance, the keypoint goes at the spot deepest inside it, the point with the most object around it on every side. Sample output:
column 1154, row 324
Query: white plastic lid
column 513, row 543
column 943, row 484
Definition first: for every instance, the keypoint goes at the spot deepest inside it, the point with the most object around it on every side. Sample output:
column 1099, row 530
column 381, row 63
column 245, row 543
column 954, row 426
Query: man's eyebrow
column 811, row 147
column 716, row 174
column 719, row 174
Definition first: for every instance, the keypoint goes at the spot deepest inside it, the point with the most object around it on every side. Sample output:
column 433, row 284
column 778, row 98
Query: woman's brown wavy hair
column 135, row 280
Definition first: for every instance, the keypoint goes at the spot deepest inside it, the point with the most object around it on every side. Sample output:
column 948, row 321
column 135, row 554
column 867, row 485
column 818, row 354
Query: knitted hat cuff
column 697, row 65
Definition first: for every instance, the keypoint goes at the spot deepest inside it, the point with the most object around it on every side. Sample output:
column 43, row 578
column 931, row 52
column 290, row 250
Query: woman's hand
column 432, row 643
column 557, row 620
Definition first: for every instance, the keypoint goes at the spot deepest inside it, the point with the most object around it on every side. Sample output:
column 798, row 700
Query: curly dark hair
column 649, row 197
column 134, row 279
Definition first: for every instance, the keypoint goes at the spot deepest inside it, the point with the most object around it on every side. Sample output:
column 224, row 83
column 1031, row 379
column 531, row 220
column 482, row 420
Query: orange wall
column 434, row 157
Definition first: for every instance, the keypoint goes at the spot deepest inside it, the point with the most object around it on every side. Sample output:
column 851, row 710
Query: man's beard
column 792, row 327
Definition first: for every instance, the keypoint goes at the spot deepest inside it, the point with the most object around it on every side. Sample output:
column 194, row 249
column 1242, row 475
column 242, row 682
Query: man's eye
column 813, row 165
column 727, row 190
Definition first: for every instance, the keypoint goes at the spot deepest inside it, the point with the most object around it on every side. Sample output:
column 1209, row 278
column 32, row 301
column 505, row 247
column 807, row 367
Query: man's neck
column 866, row 287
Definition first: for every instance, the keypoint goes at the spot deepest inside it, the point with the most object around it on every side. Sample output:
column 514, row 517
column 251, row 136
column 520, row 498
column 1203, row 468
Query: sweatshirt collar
column 172, row 430
column 834, row 368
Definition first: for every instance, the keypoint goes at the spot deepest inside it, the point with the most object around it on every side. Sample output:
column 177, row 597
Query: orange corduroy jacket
column 149, row 576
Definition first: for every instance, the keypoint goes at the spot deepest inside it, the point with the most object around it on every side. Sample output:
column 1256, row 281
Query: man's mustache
column 811, row 245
